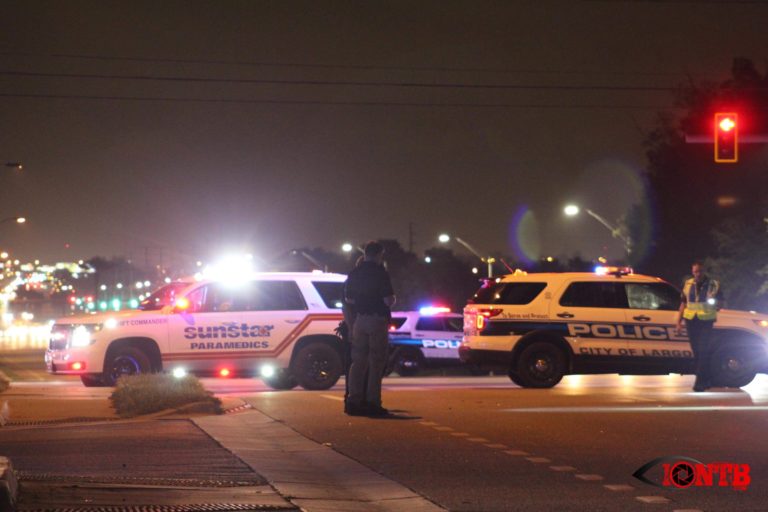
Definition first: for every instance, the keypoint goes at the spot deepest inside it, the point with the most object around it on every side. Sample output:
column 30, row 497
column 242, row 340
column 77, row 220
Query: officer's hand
column 679, row 329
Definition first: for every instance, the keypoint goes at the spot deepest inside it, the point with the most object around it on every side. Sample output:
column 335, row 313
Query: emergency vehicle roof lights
column 613, row 271
column 433, row 310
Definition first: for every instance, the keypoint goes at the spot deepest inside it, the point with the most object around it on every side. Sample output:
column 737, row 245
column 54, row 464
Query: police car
column 539, row 327
column 277, row 326
column 429, row 337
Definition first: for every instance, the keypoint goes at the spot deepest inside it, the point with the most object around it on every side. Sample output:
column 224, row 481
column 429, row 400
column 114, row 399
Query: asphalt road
column 482, row 444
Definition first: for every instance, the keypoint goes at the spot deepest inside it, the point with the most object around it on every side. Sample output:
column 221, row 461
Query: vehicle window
column 222, row 298
column 594, row 295
column 508, row 293
column 163, row 296
column 652, row 296
column 430, row 323
column 454, row 324
column 396, row 322
column 332, row 293
column 272, row 296
column 196, row 299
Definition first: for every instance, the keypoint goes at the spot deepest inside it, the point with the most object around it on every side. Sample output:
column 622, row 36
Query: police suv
column 279, row 326
column 429, row 337
column 539, row 327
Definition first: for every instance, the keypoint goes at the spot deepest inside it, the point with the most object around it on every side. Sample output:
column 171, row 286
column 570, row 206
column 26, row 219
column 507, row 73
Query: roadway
column 483, row 444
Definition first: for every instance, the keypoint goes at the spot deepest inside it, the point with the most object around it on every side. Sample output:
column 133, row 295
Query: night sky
column 275, row 126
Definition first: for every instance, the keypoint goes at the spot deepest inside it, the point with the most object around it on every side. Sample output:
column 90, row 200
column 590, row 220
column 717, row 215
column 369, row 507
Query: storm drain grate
column 32, row 423
column 159, row 482
column 203, row 507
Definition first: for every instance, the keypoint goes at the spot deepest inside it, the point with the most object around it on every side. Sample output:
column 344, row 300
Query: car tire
column 408, row 362
column 540, row 365
column 282, row 380
column 515, row 379
column 317, row 366
column 90, row 380
column 733, row 366
column 125, row 361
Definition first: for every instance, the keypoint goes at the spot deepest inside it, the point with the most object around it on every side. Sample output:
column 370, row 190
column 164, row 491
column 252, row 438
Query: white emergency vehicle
column 429, row 337
column 277, row 326
column 539, row 327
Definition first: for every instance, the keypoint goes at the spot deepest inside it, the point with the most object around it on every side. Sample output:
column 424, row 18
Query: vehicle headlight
column 82, row 335
column 761, row 323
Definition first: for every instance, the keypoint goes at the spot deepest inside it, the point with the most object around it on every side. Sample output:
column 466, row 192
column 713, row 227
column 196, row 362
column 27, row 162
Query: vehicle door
column 652, row 314
column 590, row 315
column 275, row 314
column 197, row 332
column 440, row 336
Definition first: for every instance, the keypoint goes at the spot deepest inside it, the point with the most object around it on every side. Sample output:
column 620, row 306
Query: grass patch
column 144, row 394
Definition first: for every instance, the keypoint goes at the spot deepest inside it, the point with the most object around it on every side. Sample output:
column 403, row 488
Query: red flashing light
column 182, row 303
column 726, row 137
column 72, row 299
column 224, row 372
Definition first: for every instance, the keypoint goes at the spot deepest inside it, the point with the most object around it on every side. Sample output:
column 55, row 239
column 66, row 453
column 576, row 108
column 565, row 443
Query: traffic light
column 726, row 138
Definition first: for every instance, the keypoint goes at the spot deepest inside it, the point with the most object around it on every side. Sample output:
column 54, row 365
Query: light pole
column 617, row 232
column 445, row 238
column 17, row 220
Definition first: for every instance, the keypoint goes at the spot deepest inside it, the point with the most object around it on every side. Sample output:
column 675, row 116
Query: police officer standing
column 369, row 290
column 698, row 307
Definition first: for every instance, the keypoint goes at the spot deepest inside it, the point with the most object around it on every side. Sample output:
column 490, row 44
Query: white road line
column 498, row 446
column 675, row 408
column 427, row 423
column 652, row 499
column 538, row 460
column 589, row 478
column 562, row 468
column 477, row 439
column 333, row 397
column 516, row 452
column 619, row 487
column 442, row 429
column 460, row 434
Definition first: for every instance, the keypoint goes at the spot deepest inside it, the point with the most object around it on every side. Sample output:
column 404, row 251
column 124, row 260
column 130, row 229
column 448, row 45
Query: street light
column 445, row 238
column 14, row 165
column 572, row 210
column 17, row 220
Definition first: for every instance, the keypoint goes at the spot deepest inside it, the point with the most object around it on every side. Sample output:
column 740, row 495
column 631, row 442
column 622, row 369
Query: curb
column 9, row 486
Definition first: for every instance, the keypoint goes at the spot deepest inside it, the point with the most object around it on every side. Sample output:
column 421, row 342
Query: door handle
column 642, row 318
column 565, row 314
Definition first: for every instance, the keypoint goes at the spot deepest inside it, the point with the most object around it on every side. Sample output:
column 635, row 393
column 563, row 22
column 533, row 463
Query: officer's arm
column 679, row 323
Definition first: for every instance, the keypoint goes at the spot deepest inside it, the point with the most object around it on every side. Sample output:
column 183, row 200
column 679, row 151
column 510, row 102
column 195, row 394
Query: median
column 145, row 394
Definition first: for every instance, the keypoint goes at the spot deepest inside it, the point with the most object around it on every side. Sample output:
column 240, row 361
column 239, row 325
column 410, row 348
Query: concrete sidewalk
column 294, row 471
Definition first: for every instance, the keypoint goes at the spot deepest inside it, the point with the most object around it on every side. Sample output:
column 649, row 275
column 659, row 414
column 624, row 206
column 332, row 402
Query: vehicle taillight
column 76, row 366
column 484, row 314
column 224, row 372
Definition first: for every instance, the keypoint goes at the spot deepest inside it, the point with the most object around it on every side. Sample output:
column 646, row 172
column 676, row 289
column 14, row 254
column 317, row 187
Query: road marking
column 442, row 429
column 496, row 445
column 460, row 434
column 427, row 423
column 589, row 478
column 477, row 439
column 619, row 487
column 538, row 460
column 652, row 499
column 562, row 468
column 516, row 452
column 661, row 408
column 333, row 397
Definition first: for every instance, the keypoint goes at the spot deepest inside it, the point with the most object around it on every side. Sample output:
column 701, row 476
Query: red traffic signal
column 726, row 138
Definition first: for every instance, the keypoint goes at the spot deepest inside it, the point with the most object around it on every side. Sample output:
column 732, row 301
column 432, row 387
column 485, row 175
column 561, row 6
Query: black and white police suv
column 427, row 338
column 277, row 326
column 539, row 327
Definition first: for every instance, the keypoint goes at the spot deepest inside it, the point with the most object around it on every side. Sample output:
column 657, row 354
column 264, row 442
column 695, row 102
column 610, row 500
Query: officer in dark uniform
column 369, row 290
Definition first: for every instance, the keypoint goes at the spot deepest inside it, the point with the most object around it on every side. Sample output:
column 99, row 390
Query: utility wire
column 262, row 81
column 334, row 103
column 359, row 67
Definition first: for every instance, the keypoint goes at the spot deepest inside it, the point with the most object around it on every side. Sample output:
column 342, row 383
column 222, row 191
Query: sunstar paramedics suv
column 279, row 326
column 539, row 327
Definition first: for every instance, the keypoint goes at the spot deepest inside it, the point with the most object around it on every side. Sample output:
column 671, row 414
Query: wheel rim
column 318, row 369
column 541, row 366
column 124, row 365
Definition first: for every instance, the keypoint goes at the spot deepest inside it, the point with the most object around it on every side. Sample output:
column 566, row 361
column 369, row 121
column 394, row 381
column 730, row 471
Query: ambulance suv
column 539, row 327
column 277, row 326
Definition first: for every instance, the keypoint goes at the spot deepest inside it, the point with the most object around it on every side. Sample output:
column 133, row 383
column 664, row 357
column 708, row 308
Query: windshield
column 164, row 296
